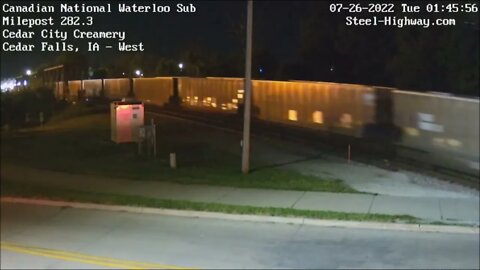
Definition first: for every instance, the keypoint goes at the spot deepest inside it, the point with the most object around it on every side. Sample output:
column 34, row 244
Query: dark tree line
column 433, row 59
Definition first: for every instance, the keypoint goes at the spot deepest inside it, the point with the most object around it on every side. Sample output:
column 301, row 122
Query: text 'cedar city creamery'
column 63, row 35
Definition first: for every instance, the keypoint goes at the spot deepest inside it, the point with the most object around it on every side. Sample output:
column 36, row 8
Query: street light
column 138, row 72
column 180, row 66
column 28, row 72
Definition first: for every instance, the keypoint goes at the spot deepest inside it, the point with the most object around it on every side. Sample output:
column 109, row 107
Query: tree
column 442, row 59
column 75, row 65
column 165, row 67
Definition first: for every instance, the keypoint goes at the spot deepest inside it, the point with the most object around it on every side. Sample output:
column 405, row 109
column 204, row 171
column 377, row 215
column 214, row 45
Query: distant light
column 8, row 84
column 138, row 72
column 180, row 65
column 141, row 74
column 260, row 70
column 123, row 73
column 28, row 72
column 332, row 68
column 25, row 82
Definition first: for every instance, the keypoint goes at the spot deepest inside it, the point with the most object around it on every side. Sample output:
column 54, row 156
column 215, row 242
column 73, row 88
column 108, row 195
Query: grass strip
column 41, row 192
column 78, row 142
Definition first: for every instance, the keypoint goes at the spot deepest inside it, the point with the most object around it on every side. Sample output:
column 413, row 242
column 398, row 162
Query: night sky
column 276, row 24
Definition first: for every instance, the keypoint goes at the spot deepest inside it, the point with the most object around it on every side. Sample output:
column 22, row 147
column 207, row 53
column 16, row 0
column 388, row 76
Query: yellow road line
column 83, row 258
column 66, row 258
column 91, row 257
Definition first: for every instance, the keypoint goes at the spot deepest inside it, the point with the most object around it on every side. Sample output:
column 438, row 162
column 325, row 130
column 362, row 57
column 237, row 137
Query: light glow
column 123, row 107
column 292, row 115
column 412, row 131
column 317, row 117
column 8, row 84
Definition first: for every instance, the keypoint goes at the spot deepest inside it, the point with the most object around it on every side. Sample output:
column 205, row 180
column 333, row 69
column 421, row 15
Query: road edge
column 249, row 218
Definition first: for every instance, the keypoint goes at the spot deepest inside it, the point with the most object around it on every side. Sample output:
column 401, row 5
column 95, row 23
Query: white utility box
column 126, row 118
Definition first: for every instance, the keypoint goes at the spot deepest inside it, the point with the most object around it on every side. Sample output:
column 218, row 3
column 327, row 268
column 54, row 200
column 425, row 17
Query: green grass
column 77, row 110
column 82, row 145
column 35, row 191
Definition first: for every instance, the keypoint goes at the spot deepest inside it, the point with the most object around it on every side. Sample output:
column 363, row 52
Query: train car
column 73, row 89
column 116, row 89
column 59, row 78
column 156, row 91
column 221, row 94
column 58, row 89
column 438, row 129
column 338, row 108
column 92, row 88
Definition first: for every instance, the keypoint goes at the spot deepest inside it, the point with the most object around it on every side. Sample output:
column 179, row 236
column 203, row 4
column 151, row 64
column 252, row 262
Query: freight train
column 435, row 128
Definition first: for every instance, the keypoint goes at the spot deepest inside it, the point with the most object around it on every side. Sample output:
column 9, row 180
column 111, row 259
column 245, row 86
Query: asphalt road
column 51, row 237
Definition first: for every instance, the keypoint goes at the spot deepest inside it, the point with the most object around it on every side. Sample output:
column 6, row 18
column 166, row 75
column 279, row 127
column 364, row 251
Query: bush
column 16, row 105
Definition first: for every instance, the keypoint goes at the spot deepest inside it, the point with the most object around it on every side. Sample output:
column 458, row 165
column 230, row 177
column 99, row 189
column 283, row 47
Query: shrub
column 16, row 105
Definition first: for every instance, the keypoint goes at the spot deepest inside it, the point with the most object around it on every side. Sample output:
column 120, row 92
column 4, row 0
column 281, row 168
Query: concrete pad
column 340, row 202
column 261, row 197
column 424, row 208
column 372, row 179
column 460, row 209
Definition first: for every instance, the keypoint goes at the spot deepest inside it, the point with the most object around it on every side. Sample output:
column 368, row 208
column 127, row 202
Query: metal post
column 248, row 92
column 173, row 160
column 130, row 91
column 102, row 91
column 40, row 116
column 139, row 147
column 154, row 139
column 349, row 153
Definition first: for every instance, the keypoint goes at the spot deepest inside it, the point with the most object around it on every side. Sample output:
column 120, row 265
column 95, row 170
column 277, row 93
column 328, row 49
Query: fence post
column 173, row 160
column 349, row 153
column 154, row 139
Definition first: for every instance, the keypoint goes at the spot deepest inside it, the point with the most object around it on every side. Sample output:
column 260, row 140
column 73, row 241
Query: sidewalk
column 458, row 210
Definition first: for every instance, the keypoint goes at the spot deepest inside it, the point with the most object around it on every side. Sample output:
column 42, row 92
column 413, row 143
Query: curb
column 250, row 218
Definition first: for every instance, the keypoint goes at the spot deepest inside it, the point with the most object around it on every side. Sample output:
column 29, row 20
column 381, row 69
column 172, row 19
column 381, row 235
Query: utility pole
column 248, row 92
